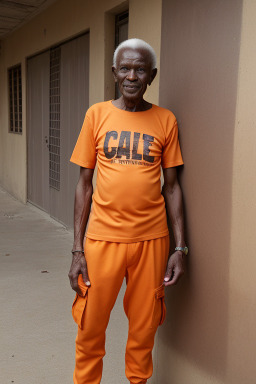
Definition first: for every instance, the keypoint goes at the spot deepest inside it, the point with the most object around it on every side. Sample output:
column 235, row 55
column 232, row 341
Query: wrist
column 180, row 243
column 77, row 246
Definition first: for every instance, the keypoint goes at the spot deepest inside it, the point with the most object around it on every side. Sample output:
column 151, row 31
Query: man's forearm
column 83, row 199
column 174, row 209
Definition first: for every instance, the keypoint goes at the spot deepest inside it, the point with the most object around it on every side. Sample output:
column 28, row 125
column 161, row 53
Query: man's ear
column 114, row 73
column 153, row 75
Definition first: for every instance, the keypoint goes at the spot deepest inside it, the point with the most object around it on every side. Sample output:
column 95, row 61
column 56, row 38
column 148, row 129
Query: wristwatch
column 182, row 249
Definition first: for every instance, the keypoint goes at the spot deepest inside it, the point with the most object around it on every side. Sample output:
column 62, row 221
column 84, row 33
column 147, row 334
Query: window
column 121, row 27
column 15, row 99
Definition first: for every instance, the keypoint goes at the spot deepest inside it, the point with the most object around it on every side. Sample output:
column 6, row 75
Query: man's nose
column 132, row 75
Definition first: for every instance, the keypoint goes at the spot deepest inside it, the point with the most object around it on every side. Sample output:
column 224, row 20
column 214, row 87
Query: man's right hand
column 78, row 266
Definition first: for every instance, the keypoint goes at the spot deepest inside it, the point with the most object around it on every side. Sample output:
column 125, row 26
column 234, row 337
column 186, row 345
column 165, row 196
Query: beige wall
column 13, row 146
column 2, row 94
column 241, row 365
column 63, row 20
column 207, row 79
column 145, row 23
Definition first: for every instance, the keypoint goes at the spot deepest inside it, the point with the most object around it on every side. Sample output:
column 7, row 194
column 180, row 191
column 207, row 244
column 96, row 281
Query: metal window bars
column 54, row 123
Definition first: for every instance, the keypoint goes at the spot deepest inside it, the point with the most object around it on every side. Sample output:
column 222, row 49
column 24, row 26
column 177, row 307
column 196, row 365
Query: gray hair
column 134, row 44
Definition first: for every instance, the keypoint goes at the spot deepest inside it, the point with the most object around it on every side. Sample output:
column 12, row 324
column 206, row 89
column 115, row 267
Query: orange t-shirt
column 129, row 148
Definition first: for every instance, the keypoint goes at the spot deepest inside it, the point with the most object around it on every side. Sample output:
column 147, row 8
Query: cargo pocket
column 79, row 304
column 159, row 308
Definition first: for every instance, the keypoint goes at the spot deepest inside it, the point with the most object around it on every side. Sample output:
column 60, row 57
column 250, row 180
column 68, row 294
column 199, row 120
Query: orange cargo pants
column 143, row 264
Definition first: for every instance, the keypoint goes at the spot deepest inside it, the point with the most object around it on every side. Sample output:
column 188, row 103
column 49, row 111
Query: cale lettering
column 124, row 146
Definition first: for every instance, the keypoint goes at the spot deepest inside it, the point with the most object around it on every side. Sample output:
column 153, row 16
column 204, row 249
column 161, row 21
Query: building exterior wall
column 242, row 288
column 62, row 21
column 207, row 79
column 149, row 30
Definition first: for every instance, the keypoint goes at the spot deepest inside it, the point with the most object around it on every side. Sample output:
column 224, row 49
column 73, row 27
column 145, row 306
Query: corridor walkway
column 37, row 331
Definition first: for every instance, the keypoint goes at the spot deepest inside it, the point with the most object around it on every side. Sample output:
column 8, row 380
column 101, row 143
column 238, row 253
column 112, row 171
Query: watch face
column 186, row 250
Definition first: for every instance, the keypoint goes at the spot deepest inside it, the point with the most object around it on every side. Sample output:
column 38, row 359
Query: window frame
column 15, row 96
column 120, row 19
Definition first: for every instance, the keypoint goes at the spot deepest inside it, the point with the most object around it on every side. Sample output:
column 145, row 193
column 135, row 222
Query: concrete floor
column 37, row 328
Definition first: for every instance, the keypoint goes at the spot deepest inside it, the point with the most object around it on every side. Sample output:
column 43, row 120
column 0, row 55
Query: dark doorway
column 121, row 34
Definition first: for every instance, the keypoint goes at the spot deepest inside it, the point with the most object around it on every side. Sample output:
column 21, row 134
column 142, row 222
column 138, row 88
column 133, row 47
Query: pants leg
column 106, row 266
column 144, row 304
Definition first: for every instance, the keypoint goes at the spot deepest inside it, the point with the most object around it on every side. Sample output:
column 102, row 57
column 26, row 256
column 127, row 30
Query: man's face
column 133, row 73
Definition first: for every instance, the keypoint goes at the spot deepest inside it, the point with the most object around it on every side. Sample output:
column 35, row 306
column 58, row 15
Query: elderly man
column 127, row 234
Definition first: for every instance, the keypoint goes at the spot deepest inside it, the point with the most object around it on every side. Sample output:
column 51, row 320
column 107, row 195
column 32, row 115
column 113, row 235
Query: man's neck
column 130, row 106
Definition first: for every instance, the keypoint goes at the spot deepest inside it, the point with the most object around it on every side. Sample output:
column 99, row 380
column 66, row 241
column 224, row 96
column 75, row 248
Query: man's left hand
column 175, row 268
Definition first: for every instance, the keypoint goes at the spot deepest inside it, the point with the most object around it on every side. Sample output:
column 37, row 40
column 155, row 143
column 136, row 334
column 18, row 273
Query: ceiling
column 14, row 13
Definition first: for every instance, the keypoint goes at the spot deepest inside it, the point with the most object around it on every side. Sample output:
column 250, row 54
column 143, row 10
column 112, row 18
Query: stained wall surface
column 242, row 288
column 207, row 77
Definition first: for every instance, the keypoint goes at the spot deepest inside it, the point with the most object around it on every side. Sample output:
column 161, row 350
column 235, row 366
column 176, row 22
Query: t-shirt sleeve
column 84, row 153
column 171, row 156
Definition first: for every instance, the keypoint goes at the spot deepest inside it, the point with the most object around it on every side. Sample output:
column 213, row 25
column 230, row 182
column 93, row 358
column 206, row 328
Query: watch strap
column 182, row 249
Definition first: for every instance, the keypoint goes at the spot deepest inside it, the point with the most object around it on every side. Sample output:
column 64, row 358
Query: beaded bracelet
column 77, row 250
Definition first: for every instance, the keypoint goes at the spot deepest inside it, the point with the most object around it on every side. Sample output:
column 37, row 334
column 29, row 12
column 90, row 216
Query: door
column 38, row 129
column 74, row 101
column 58, row 97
